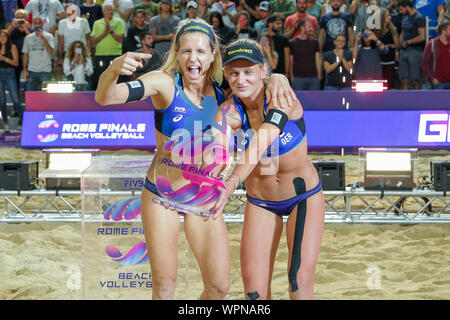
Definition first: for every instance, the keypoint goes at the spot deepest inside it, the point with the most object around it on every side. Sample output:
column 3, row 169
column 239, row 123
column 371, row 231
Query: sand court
column 43, row 260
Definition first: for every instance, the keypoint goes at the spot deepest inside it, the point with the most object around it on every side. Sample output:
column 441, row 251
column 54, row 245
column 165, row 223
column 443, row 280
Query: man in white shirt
column 72, row 28
column 48, row 10
column 37, row 50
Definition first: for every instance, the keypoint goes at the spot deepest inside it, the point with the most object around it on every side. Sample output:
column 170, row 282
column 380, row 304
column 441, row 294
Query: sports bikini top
column 181, row 109
column 293, row 134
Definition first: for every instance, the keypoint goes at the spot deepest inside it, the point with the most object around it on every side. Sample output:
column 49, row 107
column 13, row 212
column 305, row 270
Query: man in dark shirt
column 306, row 60
column 334, row 23
column 281, row 43
column 91, row 11
column 147, row 47
column 132, row 41
column 412, row 39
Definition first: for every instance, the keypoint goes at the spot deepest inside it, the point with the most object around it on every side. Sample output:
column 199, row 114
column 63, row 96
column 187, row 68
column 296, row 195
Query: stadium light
column 58, row 86
column 369, row 85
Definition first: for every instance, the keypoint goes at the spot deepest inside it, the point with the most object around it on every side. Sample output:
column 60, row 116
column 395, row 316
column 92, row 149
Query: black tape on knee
column 254, row 295
column 300, row 188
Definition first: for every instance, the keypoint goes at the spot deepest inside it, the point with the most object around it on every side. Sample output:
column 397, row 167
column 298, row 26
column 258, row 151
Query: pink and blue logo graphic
column 46, row 124
column 127, row 209
column 136, row 256
column 202, row 189
column 123, row 209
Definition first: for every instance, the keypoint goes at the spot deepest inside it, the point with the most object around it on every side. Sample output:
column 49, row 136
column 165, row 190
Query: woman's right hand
column 230, row 186
column 26, row 76
column 128, row 63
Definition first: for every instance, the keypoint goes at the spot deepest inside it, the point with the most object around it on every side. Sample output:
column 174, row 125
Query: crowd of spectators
column 317, row 44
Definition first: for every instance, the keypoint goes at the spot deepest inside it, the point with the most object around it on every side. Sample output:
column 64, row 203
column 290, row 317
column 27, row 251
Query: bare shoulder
column 157, row 77
column 160, row 86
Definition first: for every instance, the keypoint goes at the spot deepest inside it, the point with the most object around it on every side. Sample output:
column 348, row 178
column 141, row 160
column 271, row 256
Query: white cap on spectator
column 108, row 3
column 192, row 4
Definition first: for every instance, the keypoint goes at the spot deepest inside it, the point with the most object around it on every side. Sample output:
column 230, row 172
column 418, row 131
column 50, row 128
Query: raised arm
column 109, row 92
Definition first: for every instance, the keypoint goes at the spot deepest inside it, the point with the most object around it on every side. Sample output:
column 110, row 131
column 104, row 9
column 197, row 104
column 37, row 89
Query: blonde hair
column 171, row 63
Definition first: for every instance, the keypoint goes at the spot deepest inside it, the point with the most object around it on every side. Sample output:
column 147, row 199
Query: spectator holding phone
column 368, row 56
column 243, row 29
column 18, row 30
column 270, row 55
column 38, row 48
column 78, row 64
column 72, row 28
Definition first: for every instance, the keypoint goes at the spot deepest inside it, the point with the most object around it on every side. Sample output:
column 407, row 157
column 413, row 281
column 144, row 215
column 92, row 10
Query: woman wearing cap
column 194, row 56
column 279, row 178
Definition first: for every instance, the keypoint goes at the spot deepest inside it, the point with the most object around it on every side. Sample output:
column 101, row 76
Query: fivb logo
column 434, row 127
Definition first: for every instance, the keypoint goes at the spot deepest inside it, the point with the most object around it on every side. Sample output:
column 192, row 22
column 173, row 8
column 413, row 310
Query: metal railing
column 349, row 206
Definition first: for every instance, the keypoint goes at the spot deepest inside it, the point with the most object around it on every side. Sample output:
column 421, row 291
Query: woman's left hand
column 279, row 92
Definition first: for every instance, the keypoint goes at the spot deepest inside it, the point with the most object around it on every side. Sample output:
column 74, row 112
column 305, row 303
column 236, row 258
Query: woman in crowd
column 9, row 60
column 189, row 76
column 389, row 62
column 281, row 182
column 78, row 64
column 270, row 55
column 367, row 55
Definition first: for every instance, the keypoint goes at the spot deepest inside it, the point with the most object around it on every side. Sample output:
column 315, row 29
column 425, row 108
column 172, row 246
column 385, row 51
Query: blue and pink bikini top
column 293, row 134
column 182, row 112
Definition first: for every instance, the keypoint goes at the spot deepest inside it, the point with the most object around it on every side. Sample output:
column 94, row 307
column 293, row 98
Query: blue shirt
column 333, row 26
column 428, row 8
column 410, row 26
column 182, row 113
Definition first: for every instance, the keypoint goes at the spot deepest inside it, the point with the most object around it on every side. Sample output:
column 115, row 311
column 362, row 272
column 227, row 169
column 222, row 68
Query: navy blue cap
column 245, row 51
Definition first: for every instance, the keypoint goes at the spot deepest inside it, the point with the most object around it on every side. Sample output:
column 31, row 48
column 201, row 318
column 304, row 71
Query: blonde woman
column 78, row 64
column 284, row 184
column 192, row 72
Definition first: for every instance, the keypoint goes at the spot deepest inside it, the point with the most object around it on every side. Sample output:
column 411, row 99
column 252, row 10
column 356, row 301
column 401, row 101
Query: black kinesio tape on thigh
column 300, row 188
column 136, row 90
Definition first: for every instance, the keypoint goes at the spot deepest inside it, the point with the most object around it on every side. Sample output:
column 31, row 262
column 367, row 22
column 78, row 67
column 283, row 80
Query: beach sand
column 43, row 260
